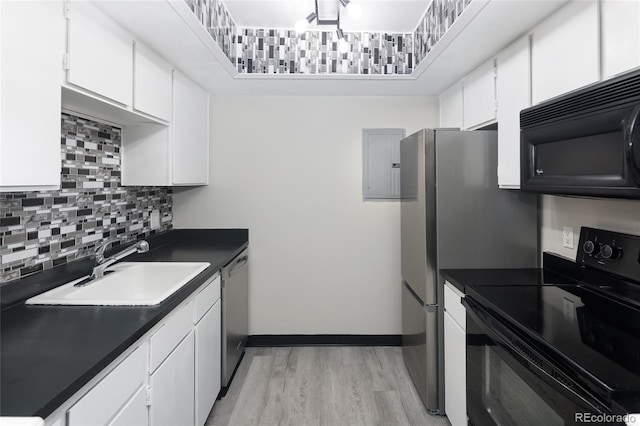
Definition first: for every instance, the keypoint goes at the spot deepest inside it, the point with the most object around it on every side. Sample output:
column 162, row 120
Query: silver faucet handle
column 142, row 246
column 99, row 252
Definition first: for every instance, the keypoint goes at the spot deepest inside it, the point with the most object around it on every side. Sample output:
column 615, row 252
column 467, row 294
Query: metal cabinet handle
column 239, row 264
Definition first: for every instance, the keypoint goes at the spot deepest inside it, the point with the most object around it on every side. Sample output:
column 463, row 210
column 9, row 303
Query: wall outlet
column 155, row 219
column 567, row 237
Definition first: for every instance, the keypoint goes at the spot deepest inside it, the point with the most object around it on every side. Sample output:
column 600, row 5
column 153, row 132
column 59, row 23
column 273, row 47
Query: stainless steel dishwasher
column 235, row 315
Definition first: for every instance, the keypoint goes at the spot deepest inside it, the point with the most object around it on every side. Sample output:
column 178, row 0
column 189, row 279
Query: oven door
column 508, row 381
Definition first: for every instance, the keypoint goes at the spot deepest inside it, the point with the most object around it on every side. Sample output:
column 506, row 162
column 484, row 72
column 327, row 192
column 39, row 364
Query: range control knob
column 610, row 252
column 590, row 247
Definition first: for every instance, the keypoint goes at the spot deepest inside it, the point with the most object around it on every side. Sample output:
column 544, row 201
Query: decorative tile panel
column 271, row 51
column 215, row 18
column 438, row 18
column 266, row 51
column 40, row 230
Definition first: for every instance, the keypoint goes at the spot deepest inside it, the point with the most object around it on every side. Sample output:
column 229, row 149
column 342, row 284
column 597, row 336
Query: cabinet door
column 100, row 54
column 513, row 93
column 135, row 412
column 208, row 362
column 455, row 368
column 565, row 50
column 106, row 399
column 479, row 96
column 451, row 107
column 152, row 83
column 32, row 44
column 142, row 145
column 190, row 132
column 620, row 36
column 172, row 387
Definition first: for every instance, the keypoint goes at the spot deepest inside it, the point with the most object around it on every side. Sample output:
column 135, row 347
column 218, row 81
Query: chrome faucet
column 101, row 263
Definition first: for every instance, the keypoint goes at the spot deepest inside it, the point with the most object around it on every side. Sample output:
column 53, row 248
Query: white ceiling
column 377, row 15
column 487, row 26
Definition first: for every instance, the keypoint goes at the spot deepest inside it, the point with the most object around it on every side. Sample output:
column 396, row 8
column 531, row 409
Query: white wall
column 613, row 215
column 290, row 169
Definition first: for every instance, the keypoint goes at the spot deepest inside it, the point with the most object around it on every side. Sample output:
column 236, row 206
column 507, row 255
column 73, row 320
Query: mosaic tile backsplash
column 315, row 52
column 272, row 51
column 40, row 230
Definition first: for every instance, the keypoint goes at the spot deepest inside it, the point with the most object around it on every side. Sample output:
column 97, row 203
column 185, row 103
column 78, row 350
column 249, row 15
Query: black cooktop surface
column 590, row 329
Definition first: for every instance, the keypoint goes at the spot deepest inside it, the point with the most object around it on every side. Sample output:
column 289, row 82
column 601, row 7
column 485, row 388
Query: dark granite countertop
column 47, row 353
column 463, row 278
column 556, row 270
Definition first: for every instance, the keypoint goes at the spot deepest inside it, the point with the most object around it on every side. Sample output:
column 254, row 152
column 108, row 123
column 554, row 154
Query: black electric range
column 572, row 341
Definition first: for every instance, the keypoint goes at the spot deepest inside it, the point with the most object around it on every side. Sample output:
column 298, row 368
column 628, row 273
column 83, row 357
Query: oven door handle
column 579, row 394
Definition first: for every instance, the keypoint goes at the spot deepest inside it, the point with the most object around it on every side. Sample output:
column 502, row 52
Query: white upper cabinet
column 451, row 107
column 190, row 158
column 100, row 54
column 513, row 87
column 620, row 36
column 152, row 83
column 479, row 96
column 32, row 44
column 565, row 50
column 180, row 152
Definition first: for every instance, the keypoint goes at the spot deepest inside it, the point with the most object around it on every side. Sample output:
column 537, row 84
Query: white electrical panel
column 381, row 163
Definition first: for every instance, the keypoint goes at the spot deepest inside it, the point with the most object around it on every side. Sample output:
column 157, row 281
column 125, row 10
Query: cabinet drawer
column 206, row 298
column 170, row 334
column 454, row 307
column 112, row 392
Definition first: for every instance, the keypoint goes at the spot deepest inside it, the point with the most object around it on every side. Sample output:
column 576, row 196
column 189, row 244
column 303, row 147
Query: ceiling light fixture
column 302, row 25
column 328, row 13
column 343, row 46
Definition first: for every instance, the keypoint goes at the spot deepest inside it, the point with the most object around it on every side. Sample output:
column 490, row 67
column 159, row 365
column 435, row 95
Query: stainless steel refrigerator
column 453, row 216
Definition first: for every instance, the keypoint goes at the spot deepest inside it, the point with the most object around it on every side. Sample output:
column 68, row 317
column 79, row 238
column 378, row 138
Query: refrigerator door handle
column 431, row 308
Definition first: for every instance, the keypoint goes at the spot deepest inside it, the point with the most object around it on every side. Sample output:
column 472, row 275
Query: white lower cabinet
column 171, row 376
column 172, row 387
column 116, row 390
column 208, row 360
column 455, row 359
column 135, row 412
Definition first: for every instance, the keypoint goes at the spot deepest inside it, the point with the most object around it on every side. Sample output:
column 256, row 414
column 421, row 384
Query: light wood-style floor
column 322, row 386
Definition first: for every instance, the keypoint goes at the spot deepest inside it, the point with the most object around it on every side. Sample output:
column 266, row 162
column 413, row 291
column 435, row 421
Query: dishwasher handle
column 238, row 264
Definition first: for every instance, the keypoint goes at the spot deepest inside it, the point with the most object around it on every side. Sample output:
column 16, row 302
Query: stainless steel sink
column 126, row 284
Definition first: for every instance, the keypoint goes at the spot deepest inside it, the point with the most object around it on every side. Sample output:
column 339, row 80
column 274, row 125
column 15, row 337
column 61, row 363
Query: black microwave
column 586, row 142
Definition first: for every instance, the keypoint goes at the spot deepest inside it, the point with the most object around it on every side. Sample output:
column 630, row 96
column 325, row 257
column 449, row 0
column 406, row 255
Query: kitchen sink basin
column 125, row 284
